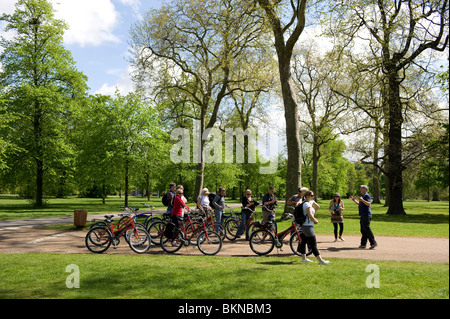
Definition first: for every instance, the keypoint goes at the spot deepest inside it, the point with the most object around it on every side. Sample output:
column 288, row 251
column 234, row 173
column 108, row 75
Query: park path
column 25, row 236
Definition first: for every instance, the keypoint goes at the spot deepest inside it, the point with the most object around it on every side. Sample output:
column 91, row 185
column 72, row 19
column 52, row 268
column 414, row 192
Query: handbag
column 337, row 217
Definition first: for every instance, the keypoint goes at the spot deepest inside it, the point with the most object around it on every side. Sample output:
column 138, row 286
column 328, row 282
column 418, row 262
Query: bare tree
column 197, row 47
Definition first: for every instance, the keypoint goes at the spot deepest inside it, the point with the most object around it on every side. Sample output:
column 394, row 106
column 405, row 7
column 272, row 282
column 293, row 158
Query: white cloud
column 91, row 22
column 124, row 84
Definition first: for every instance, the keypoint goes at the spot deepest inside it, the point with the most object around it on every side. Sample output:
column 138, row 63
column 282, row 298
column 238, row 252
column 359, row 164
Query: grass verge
column 198, row 277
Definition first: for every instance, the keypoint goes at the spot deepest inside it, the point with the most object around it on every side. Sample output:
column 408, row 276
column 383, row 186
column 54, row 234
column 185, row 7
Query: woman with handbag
column 336, row 207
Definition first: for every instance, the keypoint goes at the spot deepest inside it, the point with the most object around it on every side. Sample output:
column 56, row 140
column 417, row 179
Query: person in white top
column 203, row 200
column 308, row 235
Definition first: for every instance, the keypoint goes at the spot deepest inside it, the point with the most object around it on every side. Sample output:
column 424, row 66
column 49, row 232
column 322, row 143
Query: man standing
column 269, row 201
column 364, row 202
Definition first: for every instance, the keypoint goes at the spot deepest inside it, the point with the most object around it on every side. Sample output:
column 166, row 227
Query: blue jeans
column 219, row 216
column 245, row 216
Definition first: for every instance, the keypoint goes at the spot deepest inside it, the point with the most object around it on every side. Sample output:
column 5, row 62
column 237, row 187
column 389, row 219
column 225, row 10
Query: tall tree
column 400, row 32
column 286, row 36
column 41, row 82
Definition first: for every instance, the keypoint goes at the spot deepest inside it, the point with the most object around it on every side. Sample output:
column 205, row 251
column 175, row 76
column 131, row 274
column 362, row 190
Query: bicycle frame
column 122, row 227
column 250, row 221
column 282, row 235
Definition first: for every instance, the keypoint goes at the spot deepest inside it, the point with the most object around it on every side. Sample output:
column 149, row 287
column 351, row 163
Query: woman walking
column 336, row 207
column 308, row 236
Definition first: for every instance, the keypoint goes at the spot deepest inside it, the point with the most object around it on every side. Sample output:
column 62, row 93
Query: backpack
column 299, row 215
column 165, row 199
column 211, row 197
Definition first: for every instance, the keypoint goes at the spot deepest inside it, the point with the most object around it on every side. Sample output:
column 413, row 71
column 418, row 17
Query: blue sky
column 98, row 37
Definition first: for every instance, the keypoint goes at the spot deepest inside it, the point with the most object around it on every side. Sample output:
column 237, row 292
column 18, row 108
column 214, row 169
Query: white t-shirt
column 204, row 200
column 306, row 205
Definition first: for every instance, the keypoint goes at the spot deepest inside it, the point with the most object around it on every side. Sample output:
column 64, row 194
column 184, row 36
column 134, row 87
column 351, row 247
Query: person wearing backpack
column 219, row 206
column 168, row 198
column 307, row 226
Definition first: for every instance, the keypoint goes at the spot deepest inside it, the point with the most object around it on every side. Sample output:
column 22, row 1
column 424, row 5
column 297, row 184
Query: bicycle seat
column 109, row 216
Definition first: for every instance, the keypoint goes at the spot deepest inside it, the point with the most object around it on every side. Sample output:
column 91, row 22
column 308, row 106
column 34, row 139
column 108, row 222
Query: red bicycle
column 99, row 238
column 262, row 241
column 232, row 225
column 208, row 241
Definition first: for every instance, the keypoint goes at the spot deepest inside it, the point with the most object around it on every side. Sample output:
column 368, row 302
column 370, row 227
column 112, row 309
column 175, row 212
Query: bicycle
column 233, row 223
column 208, row 241
column 262, row 241
column 215, row 226
column 146, row 218
column 156, row 228
column 99, row 238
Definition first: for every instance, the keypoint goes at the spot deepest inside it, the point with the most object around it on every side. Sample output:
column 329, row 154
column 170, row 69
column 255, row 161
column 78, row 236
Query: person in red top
column 178, row 204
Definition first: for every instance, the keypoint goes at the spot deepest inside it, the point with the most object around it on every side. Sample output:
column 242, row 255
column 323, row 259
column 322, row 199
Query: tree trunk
column 39, row 154
column 39, row 202
column 315, row 167
column 147, row 185
column 200, row 157
column 376, row 170
column 395, row 165
column 294, row 154
column 126, row 183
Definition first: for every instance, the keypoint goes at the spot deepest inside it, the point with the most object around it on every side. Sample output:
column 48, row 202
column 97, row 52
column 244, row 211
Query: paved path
column 23, row 237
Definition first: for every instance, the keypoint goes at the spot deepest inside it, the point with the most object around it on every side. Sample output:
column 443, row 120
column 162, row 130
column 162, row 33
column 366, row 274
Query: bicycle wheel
column 170, row 244
column 209, row 243
column 218, row 228
column 262, row 242
column 231, row 228
column 101, row 223
column 155, row 230
column 294, row 242
column 127, row 233
column 192, row 232
column 98, row 239
column 151, row 220
column 139, row 240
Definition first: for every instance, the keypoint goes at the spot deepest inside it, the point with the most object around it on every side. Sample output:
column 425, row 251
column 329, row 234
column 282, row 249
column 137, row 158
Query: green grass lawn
column 198, row 277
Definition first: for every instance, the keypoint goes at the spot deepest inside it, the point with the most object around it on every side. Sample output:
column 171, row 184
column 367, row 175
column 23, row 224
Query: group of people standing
column 177, row 204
